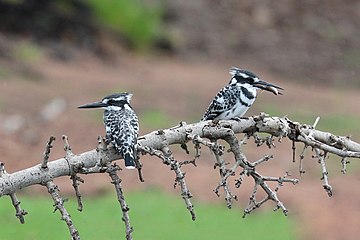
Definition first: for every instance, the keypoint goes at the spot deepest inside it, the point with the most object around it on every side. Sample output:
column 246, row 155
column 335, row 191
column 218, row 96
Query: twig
column 185, row 148
column 322, row 160
column 102, row 149
column 241, row 178
column 75, row 168
column 20, row 213
column 112, row 171
column 47, row 152
column 229, row 196
column 212, row 145
column 225, row 173
column 197, row 151
column 138, row 166
column 59, row 205
column 259, row 180
column 67, row 148
column 253, row 204
column 259, row 141
column 167, row 158
column 180, row 179
column 344, row 162
column 302, row 156
column 265, row 158
column 218, row 151
column 293, row 147
column 75, row 183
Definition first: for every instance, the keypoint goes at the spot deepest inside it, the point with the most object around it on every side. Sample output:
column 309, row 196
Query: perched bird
column 121, row 124
column 236, row 98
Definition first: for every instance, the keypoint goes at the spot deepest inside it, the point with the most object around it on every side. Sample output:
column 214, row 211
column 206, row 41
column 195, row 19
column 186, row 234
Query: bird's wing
column 224, row 100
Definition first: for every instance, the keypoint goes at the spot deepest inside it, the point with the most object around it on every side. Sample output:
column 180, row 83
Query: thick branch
column 280, row 127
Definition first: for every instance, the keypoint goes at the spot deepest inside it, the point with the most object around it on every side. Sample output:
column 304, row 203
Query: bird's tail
column 129, row 161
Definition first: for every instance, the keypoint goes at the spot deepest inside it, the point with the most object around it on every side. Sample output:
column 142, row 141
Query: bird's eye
column 251, row 80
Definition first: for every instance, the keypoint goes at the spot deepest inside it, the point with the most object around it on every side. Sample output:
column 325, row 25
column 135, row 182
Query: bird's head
column 246, row 77
column 112, row 102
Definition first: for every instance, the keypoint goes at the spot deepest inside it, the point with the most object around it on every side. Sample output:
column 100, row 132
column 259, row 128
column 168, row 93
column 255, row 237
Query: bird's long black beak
column 93, row 105
column 268, row 87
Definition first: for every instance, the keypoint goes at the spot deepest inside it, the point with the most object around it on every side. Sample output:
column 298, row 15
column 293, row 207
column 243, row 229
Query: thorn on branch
column 47, row 152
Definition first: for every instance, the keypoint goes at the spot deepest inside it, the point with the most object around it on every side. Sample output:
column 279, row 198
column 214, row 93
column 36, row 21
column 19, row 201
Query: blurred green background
column 154, row 215
column 174, row 56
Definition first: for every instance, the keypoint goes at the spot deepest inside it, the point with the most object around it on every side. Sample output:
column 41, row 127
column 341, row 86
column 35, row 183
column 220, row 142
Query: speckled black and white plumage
column 122, row 127
column 121, row 124
column 236, row 98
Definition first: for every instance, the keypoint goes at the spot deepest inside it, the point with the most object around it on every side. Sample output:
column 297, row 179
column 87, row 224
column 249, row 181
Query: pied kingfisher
column 121, row 124
column 235, row 99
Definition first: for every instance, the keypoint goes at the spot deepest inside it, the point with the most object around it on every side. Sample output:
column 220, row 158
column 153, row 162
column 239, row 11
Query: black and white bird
column 121, row 124
column 236, row 98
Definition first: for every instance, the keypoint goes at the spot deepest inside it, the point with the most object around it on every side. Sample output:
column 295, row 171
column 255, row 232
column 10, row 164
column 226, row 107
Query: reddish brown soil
column 181, row 90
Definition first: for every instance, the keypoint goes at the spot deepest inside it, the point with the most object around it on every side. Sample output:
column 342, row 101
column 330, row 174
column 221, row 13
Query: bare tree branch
column 75, row 183
column 59, row 205
column 167, row 158
column 206, row 134
column 271, row 125
column 20, row 213
column 47, row 152
column 112, row 171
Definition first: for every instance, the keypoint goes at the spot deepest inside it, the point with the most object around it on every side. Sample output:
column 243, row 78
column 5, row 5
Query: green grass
column 140, row 23
column 155, row 119
column 153, row 215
